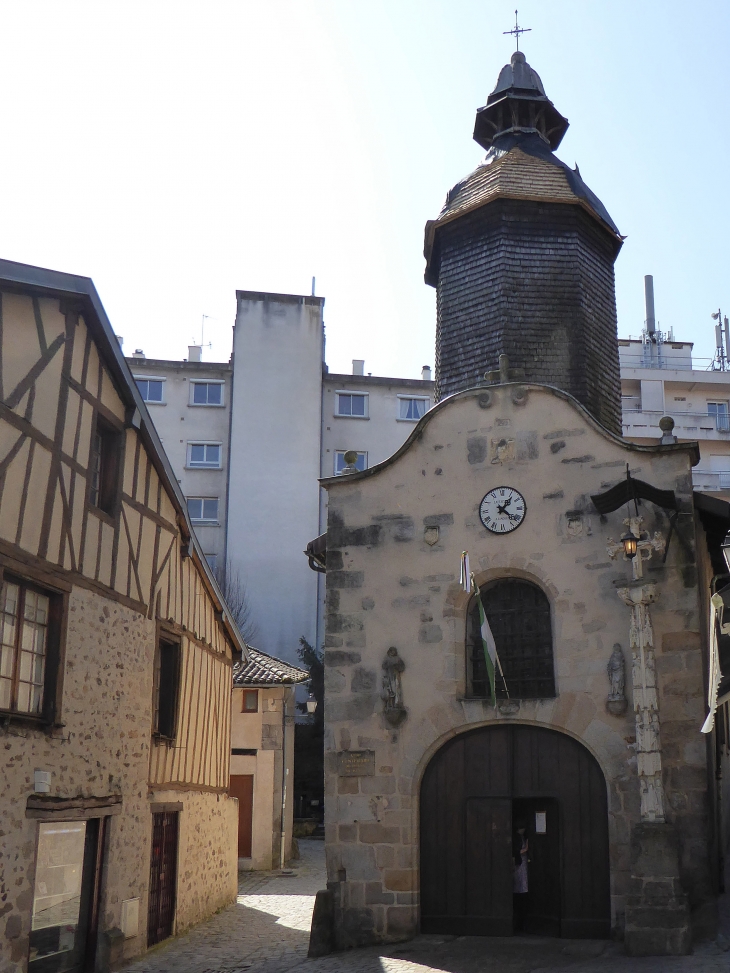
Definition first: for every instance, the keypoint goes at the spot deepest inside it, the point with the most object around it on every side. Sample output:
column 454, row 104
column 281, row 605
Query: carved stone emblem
column 616, row 702
column 502, row 450
column 431, row 535
column 392, row 695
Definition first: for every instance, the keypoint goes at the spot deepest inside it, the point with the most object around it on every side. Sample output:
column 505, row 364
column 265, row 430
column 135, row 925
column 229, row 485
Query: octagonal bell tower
column 522, row 258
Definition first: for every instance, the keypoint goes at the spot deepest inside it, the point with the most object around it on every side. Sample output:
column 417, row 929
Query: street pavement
column 267, row 931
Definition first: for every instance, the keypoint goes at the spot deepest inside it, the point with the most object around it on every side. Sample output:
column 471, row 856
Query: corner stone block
column 401, row 922
column 374, row 895
column 401, row 880
column 379, row 834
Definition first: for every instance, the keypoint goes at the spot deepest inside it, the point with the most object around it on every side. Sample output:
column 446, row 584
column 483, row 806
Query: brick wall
column 533, row 281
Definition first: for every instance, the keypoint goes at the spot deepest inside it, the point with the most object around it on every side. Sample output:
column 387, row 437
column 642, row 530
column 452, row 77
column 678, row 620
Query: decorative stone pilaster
column 638, row 596
column 657, row 911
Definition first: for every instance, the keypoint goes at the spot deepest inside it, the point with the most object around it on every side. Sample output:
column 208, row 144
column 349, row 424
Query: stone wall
column 102, row 750
column 533, row 281
column 387, row 587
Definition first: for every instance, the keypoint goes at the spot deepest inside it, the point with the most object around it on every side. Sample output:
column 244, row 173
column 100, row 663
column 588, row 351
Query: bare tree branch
column 233, row 586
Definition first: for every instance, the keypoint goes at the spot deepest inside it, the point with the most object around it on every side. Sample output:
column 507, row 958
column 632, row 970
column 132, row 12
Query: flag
column 465, row 573
column 716, row 605
column 490, row 647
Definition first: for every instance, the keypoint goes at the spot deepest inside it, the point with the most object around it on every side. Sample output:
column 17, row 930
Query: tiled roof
column 264, row 670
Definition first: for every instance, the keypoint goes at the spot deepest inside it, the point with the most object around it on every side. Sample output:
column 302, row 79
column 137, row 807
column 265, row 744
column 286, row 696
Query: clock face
column 502, row 510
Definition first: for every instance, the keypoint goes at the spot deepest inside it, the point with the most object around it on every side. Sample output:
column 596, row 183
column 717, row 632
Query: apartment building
column 661, row 377
column 249, row 439
column 189, row 402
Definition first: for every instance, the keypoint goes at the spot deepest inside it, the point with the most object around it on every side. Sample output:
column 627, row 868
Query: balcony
column 711, row 481
column 687, row 425
column 682, row 363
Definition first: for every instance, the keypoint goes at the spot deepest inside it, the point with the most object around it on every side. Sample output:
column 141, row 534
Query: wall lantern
column 629, row 542
column 311, row 703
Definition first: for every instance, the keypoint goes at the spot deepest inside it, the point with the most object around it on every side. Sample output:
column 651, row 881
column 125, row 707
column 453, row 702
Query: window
column 411, row 407
column 203, row 508
column 204, row 455
column 166, row 688
column 28, row 648
column 719, row 412
column 340, row 464
column 518, row 613
column 104, row 467
column 150, row 389
column 250, row 703
column 352, row 404
column 206, row 393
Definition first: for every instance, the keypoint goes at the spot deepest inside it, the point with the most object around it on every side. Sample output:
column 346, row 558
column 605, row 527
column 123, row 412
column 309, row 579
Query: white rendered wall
column 273, row 501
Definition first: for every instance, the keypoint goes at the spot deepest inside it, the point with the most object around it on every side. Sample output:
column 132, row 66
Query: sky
column 176, row 152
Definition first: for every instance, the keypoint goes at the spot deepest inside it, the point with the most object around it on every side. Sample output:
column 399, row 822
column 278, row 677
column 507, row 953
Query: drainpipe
column 284, row 774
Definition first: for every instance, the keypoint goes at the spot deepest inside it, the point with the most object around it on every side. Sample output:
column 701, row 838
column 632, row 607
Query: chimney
column 426, row 373
column 138, row 353
column 120, row 339
column 358, row 366
column 649, row 298
column 195, row 352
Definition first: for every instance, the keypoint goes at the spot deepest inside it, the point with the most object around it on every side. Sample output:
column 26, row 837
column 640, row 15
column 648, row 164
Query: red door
column 163, row 871
column 242, row 787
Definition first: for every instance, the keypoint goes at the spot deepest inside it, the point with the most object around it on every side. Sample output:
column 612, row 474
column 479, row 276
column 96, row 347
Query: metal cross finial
column 517, row 30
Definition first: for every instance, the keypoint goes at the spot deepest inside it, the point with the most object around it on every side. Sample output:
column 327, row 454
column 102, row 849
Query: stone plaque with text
column 356, row 763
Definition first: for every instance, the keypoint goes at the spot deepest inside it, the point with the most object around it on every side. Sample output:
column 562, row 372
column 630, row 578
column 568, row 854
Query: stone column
column 638, row 596
column 657, row 912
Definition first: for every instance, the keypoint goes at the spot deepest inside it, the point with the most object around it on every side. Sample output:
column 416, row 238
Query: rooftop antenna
column 208, row 317
column 721, row 361
column 517, row 30
column 314, row 280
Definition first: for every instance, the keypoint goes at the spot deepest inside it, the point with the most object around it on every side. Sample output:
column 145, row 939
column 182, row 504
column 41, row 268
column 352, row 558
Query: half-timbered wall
column 90, row 515
column 54, row 386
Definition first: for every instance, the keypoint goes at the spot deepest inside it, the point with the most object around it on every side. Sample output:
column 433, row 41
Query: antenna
column 314, row 281
column 205, row 317
column 721, row 361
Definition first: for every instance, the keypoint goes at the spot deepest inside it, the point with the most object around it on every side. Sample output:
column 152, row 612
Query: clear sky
column 177, row 151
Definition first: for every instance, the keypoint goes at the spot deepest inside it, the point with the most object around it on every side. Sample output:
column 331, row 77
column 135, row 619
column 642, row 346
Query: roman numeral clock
column 502, row 510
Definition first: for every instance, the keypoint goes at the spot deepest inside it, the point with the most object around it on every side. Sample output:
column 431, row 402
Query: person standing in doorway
column 520, row 848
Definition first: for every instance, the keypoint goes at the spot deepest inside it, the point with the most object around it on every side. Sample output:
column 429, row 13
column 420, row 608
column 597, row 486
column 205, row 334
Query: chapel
column 522, row 645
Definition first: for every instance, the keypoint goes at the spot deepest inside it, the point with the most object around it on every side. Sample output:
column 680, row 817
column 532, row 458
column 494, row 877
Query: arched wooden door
column 474, row 790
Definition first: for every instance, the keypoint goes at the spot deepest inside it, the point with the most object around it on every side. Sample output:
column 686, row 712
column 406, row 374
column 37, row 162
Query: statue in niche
column 616, row 702
column 392, row 695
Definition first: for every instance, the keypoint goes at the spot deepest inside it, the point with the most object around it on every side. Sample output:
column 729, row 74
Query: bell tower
column 522, row 258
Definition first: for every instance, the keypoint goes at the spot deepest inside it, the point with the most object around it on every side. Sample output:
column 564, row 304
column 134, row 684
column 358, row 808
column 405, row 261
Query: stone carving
column 502, row 450
column 431, row 535
column 638, row 597
column 616, row 703
column 392, row 695
column 645, row 546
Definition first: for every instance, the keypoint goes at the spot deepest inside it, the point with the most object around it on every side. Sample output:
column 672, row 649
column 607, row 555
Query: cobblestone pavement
column 267, row 931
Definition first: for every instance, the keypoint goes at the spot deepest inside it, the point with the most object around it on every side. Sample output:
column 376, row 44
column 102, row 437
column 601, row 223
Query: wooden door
column 542, row 915
column 163, row 875
column 511, row 763
column 241, row 786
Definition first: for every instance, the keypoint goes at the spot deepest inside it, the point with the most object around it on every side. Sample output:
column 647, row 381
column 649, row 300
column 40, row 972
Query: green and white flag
column 489, row 645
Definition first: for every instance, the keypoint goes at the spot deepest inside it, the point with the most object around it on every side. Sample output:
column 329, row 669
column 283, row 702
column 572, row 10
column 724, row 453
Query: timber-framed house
column 116, row 652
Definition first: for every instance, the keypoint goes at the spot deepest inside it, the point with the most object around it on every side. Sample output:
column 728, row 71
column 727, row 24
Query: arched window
column 518, row 613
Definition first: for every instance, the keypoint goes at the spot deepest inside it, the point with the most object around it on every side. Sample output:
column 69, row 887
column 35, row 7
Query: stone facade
column 395, row 537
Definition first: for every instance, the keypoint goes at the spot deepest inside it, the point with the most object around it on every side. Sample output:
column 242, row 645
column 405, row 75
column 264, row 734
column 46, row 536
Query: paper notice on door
column 540, row 822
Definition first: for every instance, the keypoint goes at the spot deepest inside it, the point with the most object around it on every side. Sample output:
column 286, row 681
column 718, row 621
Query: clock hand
column 503, row 507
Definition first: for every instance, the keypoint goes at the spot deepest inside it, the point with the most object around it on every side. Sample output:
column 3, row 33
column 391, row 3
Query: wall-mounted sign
column 356, row 763
column 540, row 822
